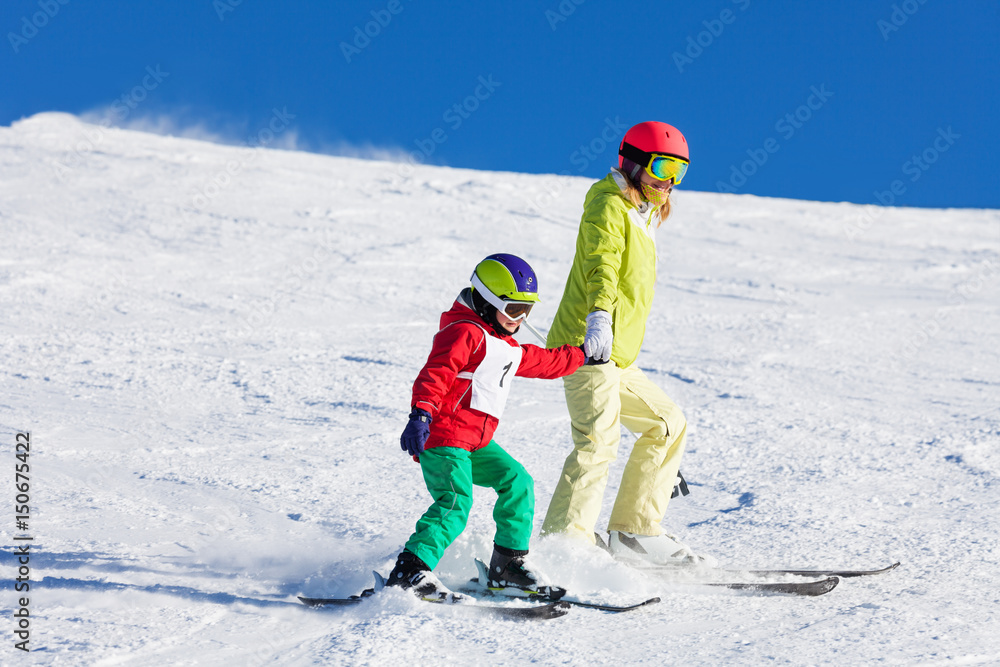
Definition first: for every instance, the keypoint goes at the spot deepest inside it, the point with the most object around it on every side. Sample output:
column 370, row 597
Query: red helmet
column 651, row 137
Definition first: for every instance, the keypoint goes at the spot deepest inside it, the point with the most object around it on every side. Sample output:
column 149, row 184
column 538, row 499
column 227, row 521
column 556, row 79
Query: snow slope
column 212, row 347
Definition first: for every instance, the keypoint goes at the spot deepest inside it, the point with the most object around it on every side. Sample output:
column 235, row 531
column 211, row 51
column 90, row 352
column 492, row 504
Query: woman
column 605, row 305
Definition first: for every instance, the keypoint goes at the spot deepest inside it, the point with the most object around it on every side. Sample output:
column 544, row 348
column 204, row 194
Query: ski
column 613, row 608
column 843, row 574
column 715, row 578
column 574, row 602
column 735, row 572
column 534, row 612
column 555, row 594
column 330, row 602
column 806, row 588
column 553, row 609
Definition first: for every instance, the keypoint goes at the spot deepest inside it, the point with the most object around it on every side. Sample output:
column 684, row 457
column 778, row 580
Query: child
column 458, row 399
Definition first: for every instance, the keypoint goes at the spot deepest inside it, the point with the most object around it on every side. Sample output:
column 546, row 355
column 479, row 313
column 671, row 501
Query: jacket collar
column 645, row 208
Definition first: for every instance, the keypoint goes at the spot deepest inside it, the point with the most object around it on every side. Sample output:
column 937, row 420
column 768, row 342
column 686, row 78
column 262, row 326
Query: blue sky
column 865, row 101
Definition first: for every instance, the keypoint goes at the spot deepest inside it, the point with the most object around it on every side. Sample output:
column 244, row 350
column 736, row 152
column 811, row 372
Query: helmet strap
column 641, row 157
column 631, row 169
column 637, row 155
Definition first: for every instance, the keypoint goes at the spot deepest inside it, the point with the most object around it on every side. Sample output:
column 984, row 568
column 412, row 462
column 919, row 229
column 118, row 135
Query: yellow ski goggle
column 666, row 167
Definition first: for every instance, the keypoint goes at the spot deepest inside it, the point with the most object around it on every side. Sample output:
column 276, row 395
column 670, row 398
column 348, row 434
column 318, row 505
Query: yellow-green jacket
column 614, row 270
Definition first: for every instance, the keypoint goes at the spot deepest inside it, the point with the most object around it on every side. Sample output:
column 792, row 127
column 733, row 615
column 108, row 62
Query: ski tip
column 561, row 608
column 848, row 574
column 311, row 602
column 843, row 574
column 862, row 573
column 807, row 588
column 612, row 607
column 548, row 611
column 814, row 588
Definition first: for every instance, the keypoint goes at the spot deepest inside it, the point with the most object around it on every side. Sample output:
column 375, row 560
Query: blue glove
column 416, row 432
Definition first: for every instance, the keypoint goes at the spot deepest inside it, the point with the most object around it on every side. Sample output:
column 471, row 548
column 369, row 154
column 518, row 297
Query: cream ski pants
column 600, row 399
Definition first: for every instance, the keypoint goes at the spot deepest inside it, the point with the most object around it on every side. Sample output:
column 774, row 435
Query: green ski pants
column 450, row 473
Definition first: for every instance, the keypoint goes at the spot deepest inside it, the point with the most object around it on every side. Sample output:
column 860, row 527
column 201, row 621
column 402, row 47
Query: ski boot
column 412, row 574
column 509, row 573
column 655, row 550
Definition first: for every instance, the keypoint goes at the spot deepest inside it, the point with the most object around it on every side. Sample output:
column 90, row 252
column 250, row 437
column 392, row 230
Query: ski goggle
column 666, row 167
column 515, row 310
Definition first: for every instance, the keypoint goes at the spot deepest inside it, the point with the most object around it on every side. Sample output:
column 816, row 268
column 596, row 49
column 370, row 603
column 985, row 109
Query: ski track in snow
column 215, row 378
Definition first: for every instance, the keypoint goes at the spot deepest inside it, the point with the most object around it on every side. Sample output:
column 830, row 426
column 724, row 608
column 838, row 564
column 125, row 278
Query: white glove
column 599, row 338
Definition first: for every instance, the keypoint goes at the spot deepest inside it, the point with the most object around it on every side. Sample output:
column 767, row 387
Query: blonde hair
column 634, row 195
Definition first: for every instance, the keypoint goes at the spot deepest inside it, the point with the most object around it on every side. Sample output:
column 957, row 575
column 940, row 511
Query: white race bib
column 492, row 378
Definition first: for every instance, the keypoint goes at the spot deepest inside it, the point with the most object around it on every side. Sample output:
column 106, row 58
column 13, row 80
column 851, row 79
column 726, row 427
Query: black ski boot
column 411, row 573
column 508, row 570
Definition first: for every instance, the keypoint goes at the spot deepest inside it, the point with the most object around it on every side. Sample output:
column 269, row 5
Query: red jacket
column 459, row 348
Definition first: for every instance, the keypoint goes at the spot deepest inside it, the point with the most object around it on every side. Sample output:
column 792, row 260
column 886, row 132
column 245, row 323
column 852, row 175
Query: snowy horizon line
column 279, row 134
